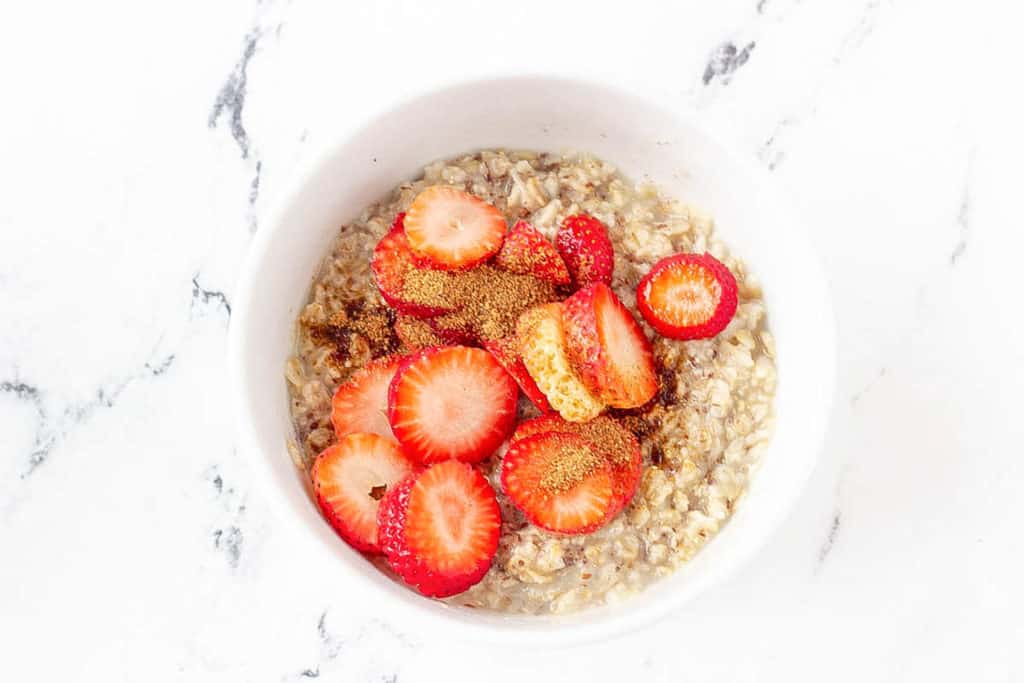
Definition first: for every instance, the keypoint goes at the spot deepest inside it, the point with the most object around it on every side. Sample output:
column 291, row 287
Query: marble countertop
column 141, row 145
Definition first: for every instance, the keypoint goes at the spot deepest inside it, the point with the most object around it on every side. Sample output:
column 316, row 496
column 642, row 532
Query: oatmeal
column 700, row 437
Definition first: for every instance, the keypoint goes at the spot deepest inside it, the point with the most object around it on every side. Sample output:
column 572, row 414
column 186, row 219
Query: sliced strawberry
column 586, row 249
column 506, row 352
column 608, row 348
column 391, row 263
column 361, row 403
column 415, row 333
column 687, row 296
column 540, row 335
column 349, row 479
column 453, row 229
column 440, row 529
column 527, row 252
column 559, row 482
column 451, row 402
column 551, row 422
column 614, row 442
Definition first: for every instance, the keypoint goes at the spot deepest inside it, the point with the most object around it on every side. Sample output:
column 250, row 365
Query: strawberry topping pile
column 484, row 312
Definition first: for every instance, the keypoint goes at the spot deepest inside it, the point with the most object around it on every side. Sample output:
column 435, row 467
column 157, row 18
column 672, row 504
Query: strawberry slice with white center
column 608, row 348
column 559, row 481
column 361, row 403
column 451, row 402
column 350, row 478
column 688, row 296
column 440, row 528
column 391, row 263
column 619, row 447
column 453, row 229
column 506, row 352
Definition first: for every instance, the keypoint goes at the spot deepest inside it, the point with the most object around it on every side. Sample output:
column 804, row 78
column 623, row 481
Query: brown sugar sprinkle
column 640, row 424
column 613, row 441
column 356, row 334
column 377, row 325
column 430, row 287
column 522, row 262
column 576, row 463
column 488, row 300
column 415, row 333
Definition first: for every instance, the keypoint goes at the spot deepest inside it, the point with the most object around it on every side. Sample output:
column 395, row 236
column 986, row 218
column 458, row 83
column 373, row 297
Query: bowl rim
column 421, row 616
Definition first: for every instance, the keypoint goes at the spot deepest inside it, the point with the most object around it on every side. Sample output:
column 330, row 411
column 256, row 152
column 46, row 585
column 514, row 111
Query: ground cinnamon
column 575, row 463
column 487, row 301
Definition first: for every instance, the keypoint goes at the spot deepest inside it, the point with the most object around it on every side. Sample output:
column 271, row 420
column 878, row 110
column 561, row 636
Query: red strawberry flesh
column 361, row 403
column 451, row 402
column 527, row 252
column 610, row 439
column 349, row 479
column 559, row 482
column 506, row 352
column 608, row 348
column 688, row 296
column 586, row 249
column 453, row 229
column 391, row 263
column 440, row 528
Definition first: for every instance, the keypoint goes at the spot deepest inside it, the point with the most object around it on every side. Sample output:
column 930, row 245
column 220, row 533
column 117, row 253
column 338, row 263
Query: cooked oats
column 701, row 439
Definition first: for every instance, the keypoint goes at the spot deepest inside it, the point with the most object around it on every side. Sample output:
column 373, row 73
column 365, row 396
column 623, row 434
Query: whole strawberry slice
column 688, row 296
column 527, row 252
column 440, row 528
column 559, row 482
column 506, row 352
column 451, row 402
column 608, row 348
column 453, row 229
column 586, row 249
column 350, row 478
column 361, row 403
column 616, row 444
column 391, row 263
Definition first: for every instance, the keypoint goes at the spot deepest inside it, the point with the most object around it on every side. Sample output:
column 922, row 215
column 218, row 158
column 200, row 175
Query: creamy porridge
column 701, row 437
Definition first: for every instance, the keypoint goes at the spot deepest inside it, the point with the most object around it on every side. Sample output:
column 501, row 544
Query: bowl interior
column 647, row 143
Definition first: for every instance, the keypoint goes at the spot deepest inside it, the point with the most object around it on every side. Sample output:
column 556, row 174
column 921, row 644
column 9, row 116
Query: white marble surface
column 139, row 146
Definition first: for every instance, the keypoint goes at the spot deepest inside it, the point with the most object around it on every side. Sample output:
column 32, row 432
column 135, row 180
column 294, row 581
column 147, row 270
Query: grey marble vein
column 254, row 195
column 204, row 297
column 53, row 427
column 44, row 439
column 963, row 216
column 228, row 538
column 229, row 541
column 159, row 368
column 725, row 60
column 857, row 396
column 830, row 539
column 771, row 153
column 371, row 635
column 230, row 100
column 229, row 104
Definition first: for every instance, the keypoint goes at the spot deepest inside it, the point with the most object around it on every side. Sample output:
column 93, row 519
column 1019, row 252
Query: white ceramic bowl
column 643, row 140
